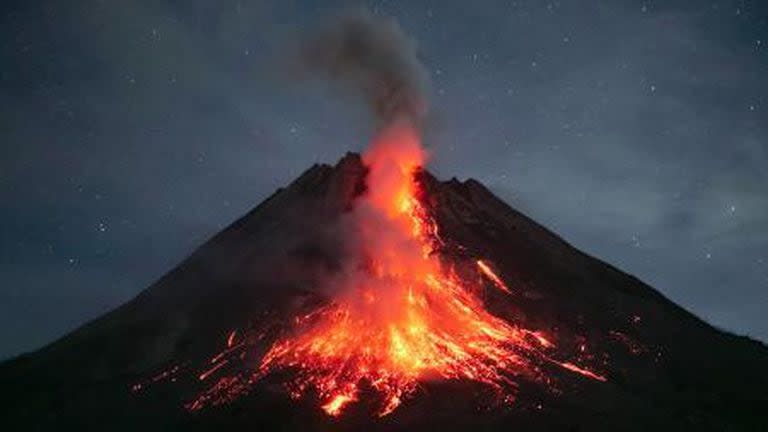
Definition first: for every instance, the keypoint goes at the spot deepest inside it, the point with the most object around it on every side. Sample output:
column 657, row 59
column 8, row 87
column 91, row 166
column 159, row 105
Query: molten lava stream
column 404, row 317
column 401, row 316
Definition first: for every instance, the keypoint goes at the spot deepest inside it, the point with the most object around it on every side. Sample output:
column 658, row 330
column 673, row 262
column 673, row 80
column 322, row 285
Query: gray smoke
column 373, row 55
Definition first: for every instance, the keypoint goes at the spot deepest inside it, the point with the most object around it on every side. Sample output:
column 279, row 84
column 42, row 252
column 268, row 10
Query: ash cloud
column 371, row 54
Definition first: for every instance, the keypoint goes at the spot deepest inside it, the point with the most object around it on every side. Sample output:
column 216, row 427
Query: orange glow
column 486, row 269
column 400, row 314
column 336, row 404
column 203, row 376
column 231, row 338
column 408, row 317
column 587, row 373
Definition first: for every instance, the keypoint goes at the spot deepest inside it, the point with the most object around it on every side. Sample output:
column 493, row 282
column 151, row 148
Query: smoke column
column 372, row 54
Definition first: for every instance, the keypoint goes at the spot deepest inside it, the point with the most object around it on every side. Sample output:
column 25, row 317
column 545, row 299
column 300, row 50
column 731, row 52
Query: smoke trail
column 373, row 55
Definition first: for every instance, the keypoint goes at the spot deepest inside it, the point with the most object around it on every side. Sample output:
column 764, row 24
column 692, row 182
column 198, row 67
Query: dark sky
column 132, row 131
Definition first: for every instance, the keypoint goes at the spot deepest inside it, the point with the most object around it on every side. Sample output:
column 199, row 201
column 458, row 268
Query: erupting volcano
column 370, row 295
column 402, row 312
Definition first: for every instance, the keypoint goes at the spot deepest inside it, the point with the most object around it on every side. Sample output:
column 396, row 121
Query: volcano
column 361, row 298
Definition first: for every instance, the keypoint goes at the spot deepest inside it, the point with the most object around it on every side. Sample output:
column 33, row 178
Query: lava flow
column 402, row 315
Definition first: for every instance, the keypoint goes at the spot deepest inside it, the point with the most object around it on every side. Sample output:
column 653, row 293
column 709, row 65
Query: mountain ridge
column 239, row 275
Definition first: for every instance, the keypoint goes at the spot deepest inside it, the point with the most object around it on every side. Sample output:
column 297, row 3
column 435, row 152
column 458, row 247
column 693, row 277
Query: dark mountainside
column 665, row 368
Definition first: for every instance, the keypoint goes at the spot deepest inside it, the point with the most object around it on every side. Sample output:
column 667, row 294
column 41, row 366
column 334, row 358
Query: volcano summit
column 370, row 294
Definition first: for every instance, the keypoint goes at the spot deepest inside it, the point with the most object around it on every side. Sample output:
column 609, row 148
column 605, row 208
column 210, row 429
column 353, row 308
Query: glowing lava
column 402, row 315
column 488, row 271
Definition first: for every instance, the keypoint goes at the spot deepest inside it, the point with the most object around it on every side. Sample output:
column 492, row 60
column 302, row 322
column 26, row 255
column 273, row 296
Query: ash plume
column 373, row 55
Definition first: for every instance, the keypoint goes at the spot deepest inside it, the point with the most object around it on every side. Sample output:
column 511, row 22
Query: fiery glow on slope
column 488, row 271
column 573, row 368
column 402, row 316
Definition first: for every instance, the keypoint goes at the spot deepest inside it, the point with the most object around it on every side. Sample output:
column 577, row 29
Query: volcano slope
column 617, row 355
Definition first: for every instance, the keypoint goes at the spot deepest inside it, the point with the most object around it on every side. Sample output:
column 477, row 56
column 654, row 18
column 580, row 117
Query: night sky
column 130, row 132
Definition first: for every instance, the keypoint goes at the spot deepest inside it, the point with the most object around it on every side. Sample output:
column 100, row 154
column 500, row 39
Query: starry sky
column 130, row 132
